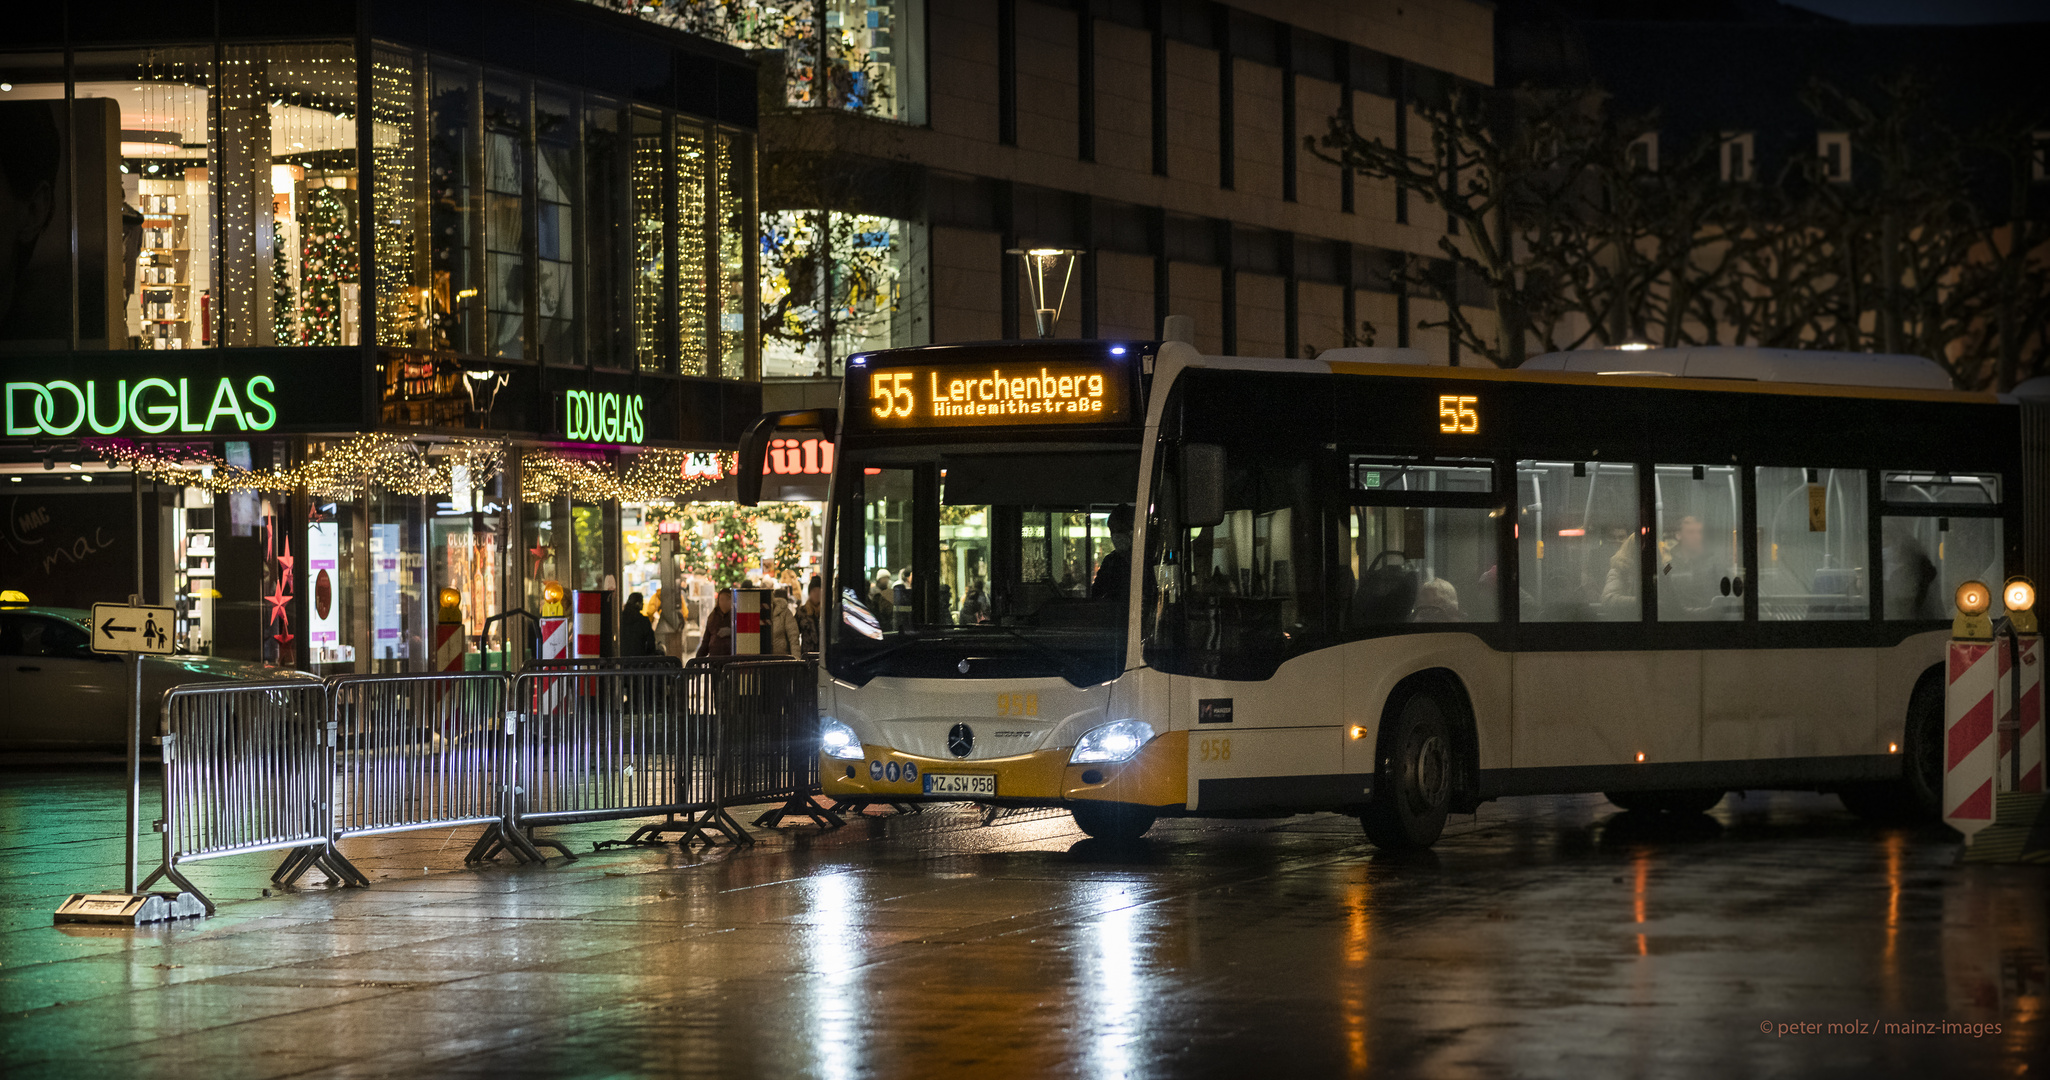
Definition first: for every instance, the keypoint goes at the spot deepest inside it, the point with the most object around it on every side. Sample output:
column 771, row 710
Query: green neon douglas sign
column 149, row 406
column 588, row 416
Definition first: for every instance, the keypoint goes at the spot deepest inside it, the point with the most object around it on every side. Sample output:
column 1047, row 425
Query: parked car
column 57, row 694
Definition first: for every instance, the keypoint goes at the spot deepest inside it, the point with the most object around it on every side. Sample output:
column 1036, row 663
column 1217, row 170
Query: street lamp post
column 1043, row 265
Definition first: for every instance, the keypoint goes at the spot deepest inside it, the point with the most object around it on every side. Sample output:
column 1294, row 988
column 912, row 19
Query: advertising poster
column 323, row 570
column 388, row 641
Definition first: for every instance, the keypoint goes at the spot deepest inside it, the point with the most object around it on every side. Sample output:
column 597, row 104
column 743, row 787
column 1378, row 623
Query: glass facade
column 873, row 49
column 833, row 285
column 222, row 204
column 218, row 192
column 562, row 227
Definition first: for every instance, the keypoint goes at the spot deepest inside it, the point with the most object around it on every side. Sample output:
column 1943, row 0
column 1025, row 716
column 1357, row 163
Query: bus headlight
column 838, row 740
column 1112, row 743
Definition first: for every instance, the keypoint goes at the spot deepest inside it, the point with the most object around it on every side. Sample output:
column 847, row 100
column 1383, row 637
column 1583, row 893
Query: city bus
column 1134, row 580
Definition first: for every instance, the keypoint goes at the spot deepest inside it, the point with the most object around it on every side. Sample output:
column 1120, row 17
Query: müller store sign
column 229, row 392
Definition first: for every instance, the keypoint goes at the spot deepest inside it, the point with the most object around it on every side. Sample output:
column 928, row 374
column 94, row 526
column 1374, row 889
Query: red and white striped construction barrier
column 750, row 621
column 450, row 646
column 587, row 629
column 554, row 638
column 2021, row 729
column 1969, row 748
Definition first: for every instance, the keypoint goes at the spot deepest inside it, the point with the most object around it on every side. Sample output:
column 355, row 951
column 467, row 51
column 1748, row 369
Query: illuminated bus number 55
column 896, row 397
column 1457, row 415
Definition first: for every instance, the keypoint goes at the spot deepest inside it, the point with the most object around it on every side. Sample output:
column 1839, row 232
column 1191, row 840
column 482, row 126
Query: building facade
column 309, row 314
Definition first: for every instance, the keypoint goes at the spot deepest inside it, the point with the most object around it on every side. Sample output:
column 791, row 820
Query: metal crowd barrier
column 244, row 771
column 768, row 717
column 298, row 766
column 417, row 751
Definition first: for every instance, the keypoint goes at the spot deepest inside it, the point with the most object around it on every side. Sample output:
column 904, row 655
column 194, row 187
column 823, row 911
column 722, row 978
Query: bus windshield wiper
column 1062, row 659
column 911, row 637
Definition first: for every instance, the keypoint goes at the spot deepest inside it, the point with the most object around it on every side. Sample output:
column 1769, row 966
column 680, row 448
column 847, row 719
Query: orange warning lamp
column 1971, row 624
column 451, row 606
column 2019, row 597
column 551, row 600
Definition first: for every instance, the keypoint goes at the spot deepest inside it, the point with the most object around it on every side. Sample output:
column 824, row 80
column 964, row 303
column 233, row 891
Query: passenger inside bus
column 1114, row 574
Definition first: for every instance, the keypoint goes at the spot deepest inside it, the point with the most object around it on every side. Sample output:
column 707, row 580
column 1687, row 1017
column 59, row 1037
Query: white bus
column 1134, row 580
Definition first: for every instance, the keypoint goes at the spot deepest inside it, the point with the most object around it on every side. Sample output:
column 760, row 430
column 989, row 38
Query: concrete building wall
column 988, row 184
column 1124, row 296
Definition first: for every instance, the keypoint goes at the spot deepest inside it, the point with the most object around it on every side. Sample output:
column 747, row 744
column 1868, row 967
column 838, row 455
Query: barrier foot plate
column 130, row 909
column 700, row 825
column 801, row 806
column 539, row 842
column 2020, row 832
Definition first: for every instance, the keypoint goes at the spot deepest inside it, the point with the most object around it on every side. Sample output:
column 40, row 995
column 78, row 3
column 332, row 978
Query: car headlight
column 1112, row 743
column 838, row 740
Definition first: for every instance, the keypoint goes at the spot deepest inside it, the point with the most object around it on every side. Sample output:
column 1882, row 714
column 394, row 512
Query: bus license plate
column 960, row 783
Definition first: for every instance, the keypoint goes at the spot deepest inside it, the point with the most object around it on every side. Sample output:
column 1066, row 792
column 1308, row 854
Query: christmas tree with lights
column 327, row 261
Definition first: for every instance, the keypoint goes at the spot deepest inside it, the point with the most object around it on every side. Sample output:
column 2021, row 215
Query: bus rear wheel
column 1682, row 802
column 1113, row 821
column 1412, row 778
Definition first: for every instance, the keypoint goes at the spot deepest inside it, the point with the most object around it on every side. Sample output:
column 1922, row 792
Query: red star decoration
column 277, row 599
column 285, row 566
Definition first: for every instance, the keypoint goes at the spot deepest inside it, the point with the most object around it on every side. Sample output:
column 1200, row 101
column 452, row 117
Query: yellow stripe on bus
column 1583, row 378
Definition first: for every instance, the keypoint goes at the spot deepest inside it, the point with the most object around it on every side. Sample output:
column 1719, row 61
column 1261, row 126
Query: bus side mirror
column 1202, row 484
column 754, row 445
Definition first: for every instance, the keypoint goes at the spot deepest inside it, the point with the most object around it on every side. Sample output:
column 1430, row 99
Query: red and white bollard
column 553, row 626
column 750, row 621
column 2029, row 725
column 587, row 628
column 1971, row 675
column 2021, row 692
column 450, row 643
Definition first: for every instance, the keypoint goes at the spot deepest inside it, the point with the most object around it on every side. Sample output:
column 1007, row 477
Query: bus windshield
column 957, row 560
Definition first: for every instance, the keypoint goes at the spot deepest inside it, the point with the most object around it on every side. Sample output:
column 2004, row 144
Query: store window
column 556, row 227
column 505, row 217
column 693, row 275
column 833, row 285
column 451, row 170
column 874, row 49
column 608, row 235
column 1812, row 545
column 216, row 198
column 1578, row 542
column 736, row 263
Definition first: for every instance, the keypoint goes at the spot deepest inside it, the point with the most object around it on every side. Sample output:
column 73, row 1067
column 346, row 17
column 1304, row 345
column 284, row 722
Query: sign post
column 133, row 631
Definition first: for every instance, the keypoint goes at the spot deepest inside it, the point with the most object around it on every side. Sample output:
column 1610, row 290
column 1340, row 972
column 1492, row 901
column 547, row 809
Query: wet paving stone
column 1542, row 937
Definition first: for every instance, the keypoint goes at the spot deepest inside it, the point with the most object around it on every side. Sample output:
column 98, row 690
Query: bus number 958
column 1213, row 750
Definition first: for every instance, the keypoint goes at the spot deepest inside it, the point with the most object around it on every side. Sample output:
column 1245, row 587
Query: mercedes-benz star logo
column 960, row 740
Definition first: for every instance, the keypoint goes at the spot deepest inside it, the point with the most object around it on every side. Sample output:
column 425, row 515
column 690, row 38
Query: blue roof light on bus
column 859, row 361
column 1117, row 350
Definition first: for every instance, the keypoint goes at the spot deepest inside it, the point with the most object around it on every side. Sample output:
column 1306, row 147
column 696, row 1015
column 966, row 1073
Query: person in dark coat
column 718, row 639
column 636, row 632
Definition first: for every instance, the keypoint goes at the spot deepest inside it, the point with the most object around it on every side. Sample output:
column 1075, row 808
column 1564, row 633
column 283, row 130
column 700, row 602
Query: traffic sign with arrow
column 120, row 628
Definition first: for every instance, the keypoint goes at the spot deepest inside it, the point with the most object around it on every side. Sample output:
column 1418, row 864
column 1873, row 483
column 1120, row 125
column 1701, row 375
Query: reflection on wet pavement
column 1543, row 937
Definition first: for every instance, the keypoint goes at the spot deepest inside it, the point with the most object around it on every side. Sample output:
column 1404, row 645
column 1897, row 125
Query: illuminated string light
column 337, row 469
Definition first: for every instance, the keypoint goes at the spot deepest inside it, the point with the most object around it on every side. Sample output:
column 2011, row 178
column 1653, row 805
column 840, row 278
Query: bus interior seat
column 1387, row 592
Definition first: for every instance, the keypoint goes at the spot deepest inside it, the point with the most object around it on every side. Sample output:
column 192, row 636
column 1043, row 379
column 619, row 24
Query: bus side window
column 1698, row 522
column 1236, row 598
column 1579, row 542
column 1415, row 564
column 1812, row 545
column 1937, row 531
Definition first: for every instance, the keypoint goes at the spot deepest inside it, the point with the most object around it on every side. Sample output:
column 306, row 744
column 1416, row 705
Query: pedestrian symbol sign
column 119, row 628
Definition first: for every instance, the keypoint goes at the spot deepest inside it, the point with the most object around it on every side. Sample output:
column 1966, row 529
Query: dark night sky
column 1953, row 12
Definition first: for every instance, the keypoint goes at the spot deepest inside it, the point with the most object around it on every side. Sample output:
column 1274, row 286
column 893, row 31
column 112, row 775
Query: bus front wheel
column 1113, row 821
column 1412, row 777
